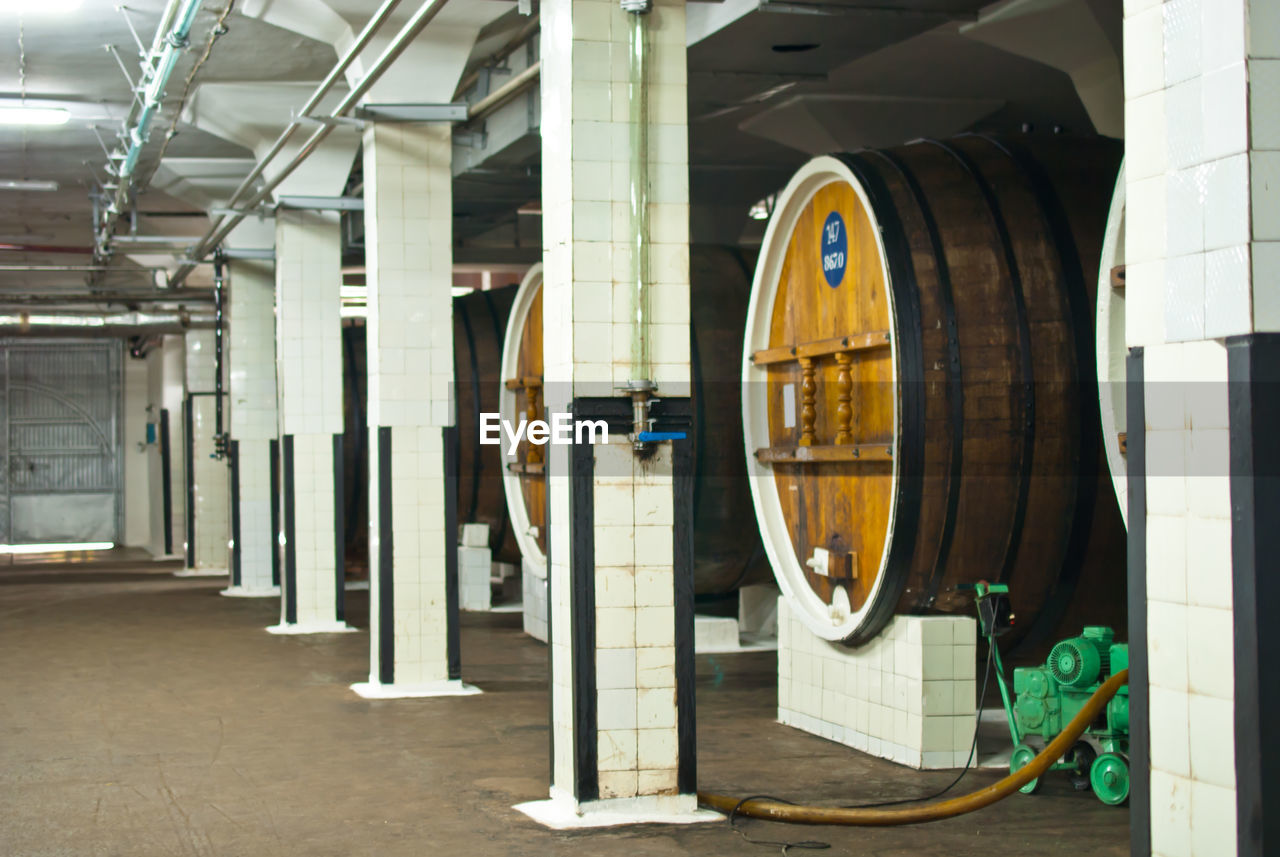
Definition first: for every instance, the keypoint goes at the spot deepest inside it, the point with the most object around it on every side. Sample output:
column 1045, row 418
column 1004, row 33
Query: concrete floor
column 142, row 714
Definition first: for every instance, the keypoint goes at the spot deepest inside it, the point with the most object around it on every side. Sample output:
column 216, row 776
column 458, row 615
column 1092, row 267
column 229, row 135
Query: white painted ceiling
column 770, row 84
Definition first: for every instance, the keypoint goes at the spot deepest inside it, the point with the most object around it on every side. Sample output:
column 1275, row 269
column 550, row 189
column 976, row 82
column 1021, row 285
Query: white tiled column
column 409, row 265
column 1202, row 177
column 207, row 496
column 309, row 382
column 251, row 322
column 628, row 757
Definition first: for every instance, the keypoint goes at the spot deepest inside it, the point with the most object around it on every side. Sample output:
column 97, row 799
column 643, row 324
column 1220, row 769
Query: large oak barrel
column 1112, row 351
column 479, row 327
column 919, row 398
column 727, row 549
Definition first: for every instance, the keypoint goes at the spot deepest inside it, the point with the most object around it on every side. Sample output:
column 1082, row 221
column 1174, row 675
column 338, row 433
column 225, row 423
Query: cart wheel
column 1109, row 777
column 1022, row 754
column 1082, row 756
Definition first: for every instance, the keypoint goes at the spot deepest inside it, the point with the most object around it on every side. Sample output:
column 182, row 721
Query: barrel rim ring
column 1110, row 315
column 535, row 561
column 788, row 571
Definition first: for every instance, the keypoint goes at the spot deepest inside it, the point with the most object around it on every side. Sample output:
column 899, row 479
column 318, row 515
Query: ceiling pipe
column 172, row 38
column 102, row 324
column 509, row 90
column 227, row 222
column 120, row 298
column 80, row 268
column 522, row 35
column 379, row 18
column 58, row 249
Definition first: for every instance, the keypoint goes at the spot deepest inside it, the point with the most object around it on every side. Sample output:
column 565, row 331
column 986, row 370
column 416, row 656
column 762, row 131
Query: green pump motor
column 1048, row 697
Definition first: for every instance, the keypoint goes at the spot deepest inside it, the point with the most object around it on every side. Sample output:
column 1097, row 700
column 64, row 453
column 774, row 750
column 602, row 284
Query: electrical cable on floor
column 1094, row 707
column 818, row 845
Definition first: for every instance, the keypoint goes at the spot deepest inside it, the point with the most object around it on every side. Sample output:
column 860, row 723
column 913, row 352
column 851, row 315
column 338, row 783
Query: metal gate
column 60, row 441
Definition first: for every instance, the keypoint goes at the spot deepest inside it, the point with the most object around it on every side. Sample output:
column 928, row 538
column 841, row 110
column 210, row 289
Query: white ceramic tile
column 1210, row 652
column 1265, row 175
column 1225, row 95
column 1266, row 285
column 1212, row 722
column 1184, row 122
column 1264, row 29
column 1226, row 217
column 1184, row 310
column 1167, row 645
column 1182, row 40
column 1170, row 735
column 1170, row 814
column 1213, row 820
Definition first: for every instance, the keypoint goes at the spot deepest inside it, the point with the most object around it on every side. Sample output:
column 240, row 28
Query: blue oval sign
column 834, row 249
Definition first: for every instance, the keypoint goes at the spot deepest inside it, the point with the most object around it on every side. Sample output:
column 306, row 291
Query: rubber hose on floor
column 1058, row 747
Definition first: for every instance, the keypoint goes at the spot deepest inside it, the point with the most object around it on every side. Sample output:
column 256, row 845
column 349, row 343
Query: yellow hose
column 870, row 817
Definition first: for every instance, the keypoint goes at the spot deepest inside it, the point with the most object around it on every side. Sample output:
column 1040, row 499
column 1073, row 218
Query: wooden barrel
column 727, row 549
column 919, row 398
column 479, row 327
column 1112, row 350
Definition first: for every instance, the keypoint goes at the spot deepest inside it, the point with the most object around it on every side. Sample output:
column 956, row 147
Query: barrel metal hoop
column 912, row 435
column 1053, row 607
column 1024, row 342
column 955, row 378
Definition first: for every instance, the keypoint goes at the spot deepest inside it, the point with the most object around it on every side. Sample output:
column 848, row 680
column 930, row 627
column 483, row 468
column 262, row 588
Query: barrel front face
column 1112, row 350
column 919, row 411
column 524, row 476
column 820, row 405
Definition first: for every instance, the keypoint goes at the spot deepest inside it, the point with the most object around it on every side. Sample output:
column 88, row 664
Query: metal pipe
column 504, row 93
column 522, row 35
column 102, row 324
column 362, row 41
column 154, row 80
column 397, row 46
column 57, row 249
column 89, row 268
column 217, row 344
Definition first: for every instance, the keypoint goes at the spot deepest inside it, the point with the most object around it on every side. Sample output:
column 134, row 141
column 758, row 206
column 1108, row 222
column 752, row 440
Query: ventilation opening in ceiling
column 797, row 48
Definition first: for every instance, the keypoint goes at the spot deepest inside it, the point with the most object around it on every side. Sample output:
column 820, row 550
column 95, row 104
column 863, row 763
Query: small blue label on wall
column 834, row 249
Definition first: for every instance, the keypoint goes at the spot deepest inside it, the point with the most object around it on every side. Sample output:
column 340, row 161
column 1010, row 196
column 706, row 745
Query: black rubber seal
column 233, row 465
column 290, row 536
column 386, row 564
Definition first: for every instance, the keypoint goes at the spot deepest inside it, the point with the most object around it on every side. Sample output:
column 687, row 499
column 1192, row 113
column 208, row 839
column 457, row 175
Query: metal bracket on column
column 322, row 203
column 348, row 121
column 267, row 253
column 470, row 139
column 452, row 112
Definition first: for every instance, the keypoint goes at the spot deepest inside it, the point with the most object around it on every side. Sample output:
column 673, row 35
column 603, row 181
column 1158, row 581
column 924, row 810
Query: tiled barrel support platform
column 908, row 696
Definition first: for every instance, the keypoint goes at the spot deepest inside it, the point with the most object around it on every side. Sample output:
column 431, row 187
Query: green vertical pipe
column 638, row 91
